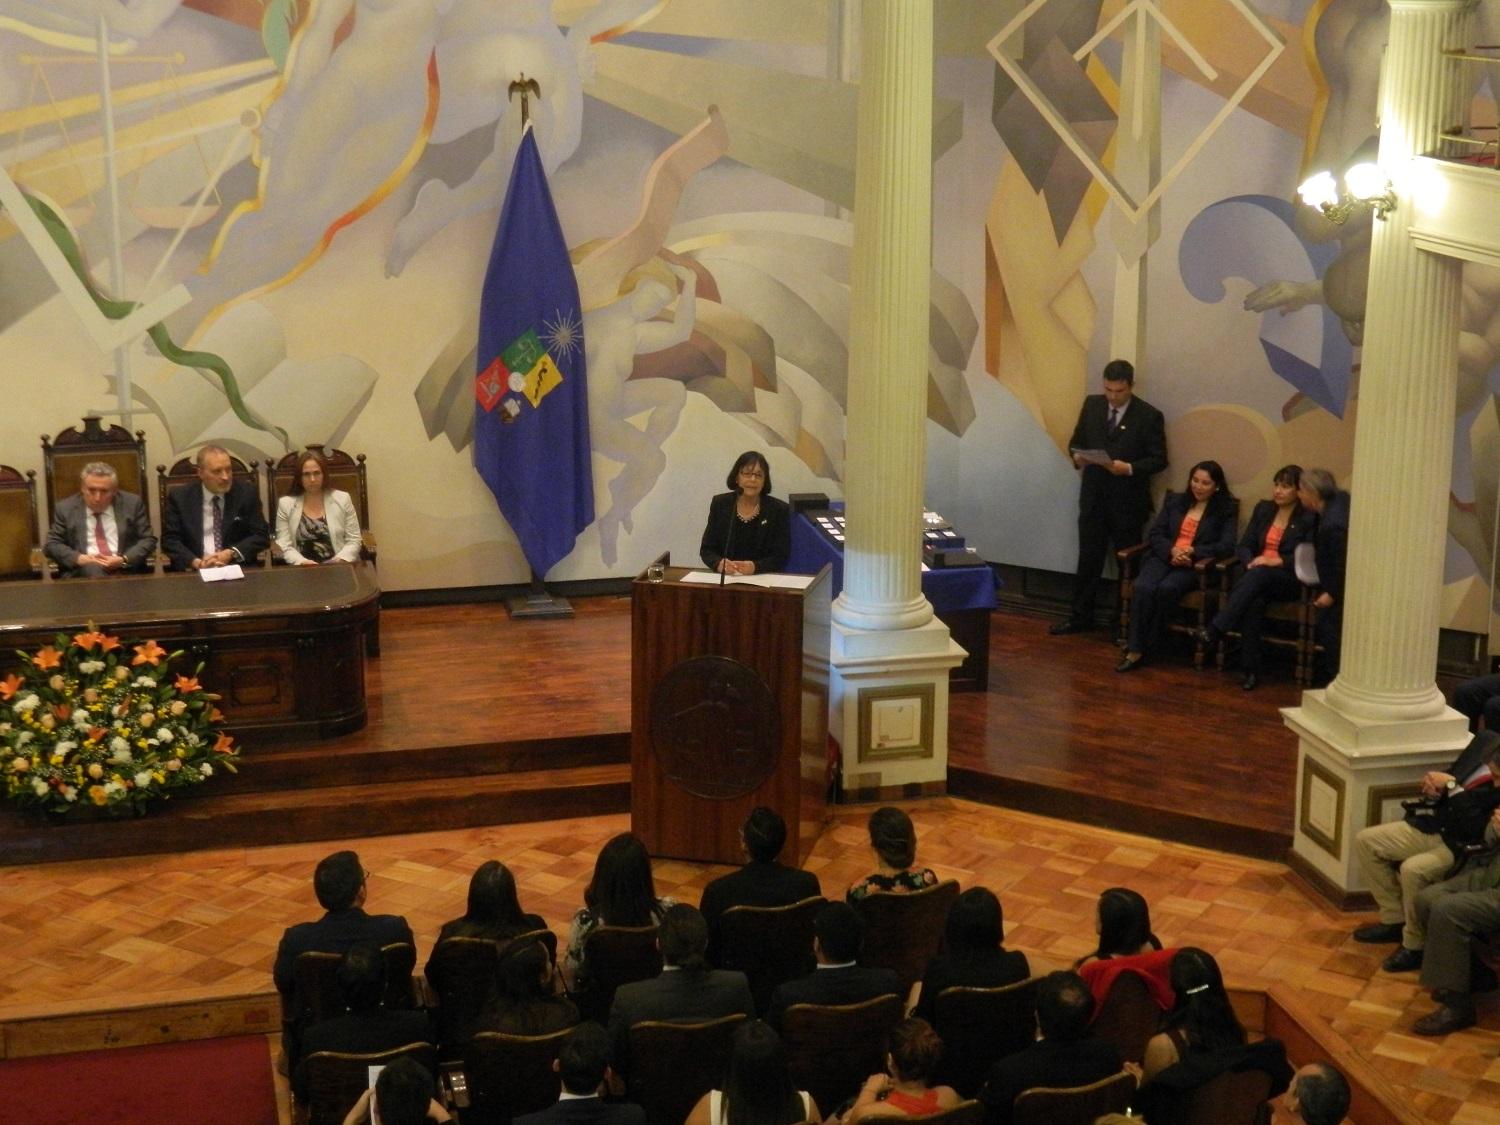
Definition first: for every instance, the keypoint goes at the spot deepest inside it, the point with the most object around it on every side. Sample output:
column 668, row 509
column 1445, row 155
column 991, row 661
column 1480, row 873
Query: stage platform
column 477, row 720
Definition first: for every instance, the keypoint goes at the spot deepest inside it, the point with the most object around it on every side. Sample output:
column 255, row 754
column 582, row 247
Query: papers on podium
column 222, row 573
column 779, row 581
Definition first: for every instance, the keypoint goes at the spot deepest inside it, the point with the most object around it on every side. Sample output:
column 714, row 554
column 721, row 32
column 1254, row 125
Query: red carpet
column 206, row 1082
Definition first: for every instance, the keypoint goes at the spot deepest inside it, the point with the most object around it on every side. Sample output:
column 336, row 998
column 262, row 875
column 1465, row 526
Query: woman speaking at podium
column 749, row 531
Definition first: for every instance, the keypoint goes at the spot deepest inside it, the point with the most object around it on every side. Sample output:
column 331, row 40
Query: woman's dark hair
column 622, row 892
column 748, row 459
column 518, row 985
column 758, row 1088
column 975, row 922
column 1202, row 1010
column 1289, row 475
column 893, row 837
column 914, row 1049
column 492, row 896
column 1216, row 473
column 403, row 1092
column 1124, row 923
column 302, row 460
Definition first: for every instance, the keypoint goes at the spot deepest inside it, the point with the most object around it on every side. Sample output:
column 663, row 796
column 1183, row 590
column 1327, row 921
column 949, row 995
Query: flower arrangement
column 88, row 725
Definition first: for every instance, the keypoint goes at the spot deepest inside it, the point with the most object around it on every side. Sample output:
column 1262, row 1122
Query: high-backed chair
column 978, row 1027
column 612, row 956
column 184, row 472
column 1077, row 1105
column 833, row 1048
column 510, row 1075
column 345, row 473
column 672, row 1065
column 1288, row 624
column 903, row 931
column 20, row 541
column 769, row 944
column 336, row 1079
column 1127, row 1017
column 63, row 460
column 1240, row 1097
column 315, row 991
column 461, row 971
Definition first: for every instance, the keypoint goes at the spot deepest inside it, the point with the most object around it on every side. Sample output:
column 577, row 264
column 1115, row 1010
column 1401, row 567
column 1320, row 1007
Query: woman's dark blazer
column 1215, row 536
column 765, row 541
column 1254, row 539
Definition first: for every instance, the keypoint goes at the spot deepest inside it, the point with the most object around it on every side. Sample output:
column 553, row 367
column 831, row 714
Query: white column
column 890, row 656
column 1384, row 718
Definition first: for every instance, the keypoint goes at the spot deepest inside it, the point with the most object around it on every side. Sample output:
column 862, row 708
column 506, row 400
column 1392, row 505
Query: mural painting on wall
column 308, row 189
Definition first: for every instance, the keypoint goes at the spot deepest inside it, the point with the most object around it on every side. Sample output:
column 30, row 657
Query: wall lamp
column 1365, row 185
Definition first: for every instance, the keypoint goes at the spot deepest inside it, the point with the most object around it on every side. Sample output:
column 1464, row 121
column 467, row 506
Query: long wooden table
column 285, row 647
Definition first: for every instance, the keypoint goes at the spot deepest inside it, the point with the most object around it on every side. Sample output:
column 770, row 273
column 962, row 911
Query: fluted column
column 887, row 401
column 1404, row 441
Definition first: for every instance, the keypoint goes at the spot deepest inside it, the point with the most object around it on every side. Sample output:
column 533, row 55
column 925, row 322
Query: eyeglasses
column 753, row 474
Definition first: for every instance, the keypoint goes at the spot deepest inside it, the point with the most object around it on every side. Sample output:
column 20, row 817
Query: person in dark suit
column 838, row 934
column 763, row 881
column 340, row 884
column 1457, row 915
column 972, row 956
column 686, row 991
column 216, row 521
column 100, row 530
column 1195, row 524
column 1479, row 699
column 1064, row 1056
column 1114, row 500
column 583, row 1066
column 1267, row 551
column 1320, row 494
column 367, row 1027
column 749, row 531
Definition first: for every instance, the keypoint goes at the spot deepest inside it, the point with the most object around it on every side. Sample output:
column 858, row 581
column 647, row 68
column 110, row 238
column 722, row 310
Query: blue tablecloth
column 964, row 587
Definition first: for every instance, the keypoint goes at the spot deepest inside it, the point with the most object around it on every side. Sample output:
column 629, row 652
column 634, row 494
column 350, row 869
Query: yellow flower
column 57, row 683
column 21, row 765
column 147, row 718
column 177, row 707
column 98, row 795
column 96, row 771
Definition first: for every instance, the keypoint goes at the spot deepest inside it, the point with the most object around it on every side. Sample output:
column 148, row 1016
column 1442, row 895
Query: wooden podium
column 728, row 710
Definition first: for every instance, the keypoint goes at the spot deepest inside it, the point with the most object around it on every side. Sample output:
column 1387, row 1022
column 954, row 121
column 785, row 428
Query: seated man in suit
column 763, row 881
column 367, row 1027
column 100, row 530
column 838, row 934
column 687, row 990
column 583, row 1066
column 1064, row 1056
column 216, row 521
column 1458, row 914
column 402, row 1095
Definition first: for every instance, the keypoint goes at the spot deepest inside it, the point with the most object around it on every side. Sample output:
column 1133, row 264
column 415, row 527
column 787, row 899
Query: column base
column 889, row 709
column 1354, row 772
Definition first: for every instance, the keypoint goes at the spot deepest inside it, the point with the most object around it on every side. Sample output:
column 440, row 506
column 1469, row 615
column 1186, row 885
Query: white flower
column 143, row 779
column 165, row 734
column 69, row 793
column 66, row 746
column 113, row 787
column 39, row 787
column 193, row 739
column 82, row 720
column 206, row 769
column 121, row 757
column 26, row 703
column 119, row 745
column 89, row 667
column 24, row 737
column 145, row 681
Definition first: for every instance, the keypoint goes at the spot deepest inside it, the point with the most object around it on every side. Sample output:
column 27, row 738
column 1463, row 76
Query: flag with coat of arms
column 531, row 414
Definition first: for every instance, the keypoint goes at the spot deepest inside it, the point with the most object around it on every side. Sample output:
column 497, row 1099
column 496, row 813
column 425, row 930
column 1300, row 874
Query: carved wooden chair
column 20, row 542
column 978, row 1027
column 1128, row 1016
column 510, row 1075
column 833, row 1048
column 345, row 473
column 315, row 992
column 336, row 1079
column 63, row 460
column 1288, row 624
column 672, row 1065
column 1077, row 1105
column 769, row 944
column 903, row 931
column 612, row 956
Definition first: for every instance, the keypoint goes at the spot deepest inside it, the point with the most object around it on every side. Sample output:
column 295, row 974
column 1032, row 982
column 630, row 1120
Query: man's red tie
column 101, row 544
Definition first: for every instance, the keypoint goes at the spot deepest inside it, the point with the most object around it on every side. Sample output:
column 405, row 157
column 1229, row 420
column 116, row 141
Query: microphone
column 728, row 538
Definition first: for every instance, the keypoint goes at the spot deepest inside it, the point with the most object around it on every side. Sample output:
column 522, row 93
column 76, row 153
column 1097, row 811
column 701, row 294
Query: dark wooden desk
column 284, row 647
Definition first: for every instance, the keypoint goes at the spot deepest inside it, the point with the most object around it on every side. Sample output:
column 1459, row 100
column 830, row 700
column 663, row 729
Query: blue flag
column 531, row 417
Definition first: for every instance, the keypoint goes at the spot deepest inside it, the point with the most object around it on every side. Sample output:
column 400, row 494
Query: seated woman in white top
column 758, row 1088
column 314, row 525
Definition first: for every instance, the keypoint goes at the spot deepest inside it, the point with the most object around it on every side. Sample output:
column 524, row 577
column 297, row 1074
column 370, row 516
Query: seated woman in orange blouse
column 1195, row 524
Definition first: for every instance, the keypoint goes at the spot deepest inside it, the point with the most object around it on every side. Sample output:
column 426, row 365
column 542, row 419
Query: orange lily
column 186, row 684
column 148, row 653
column 48, row 657
column 10, row 685
column 96, row 734
column 225, row 744
column 94, row 637
column 63, row 711
column 215, row 715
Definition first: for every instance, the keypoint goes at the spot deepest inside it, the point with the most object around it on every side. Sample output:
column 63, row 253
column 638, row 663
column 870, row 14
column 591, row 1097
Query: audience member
column 687, row 989
column 1400, row 859
column 838, row 934
column 762, row 881
column 1063, row 1056
column 972, row 955
column 402, row 1095
column 1319, row 493
column 621, row 893
column 893, row 838
column 758, row 1087
column 1319, row 1095
column 340, row 882
column 912, row 1053
column 366, row 1027
column 1456, row 914
column 100, row 529
column 1126, row 945
column 216, row 520
column 526, row 999
column 1478, row 699
column 494, row 912
column 583, row 1066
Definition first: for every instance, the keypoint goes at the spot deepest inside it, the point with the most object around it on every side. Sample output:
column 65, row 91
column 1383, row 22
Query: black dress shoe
column 1447, row 1019
column 1402, row 961
column 1378, row 933
column 1130, row 662
column 1250, row 682
column 1063, row 628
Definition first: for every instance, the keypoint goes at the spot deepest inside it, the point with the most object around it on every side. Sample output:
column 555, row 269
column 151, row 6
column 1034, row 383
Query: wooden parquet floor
column 82, row 936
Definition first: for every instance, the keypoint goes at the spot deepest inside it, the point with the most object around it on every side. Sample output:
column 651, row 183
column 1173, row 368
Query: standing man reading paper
column 1120, row 443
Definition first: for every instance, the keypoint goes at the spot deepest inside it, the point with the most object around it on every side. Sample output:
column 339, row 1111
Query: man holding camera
column 1401, row 859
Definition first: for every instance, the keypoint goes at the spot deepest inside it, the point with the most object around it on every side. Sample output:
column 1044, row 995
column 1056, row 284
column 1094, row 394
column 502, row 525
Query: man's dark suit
column 1111, row 509
column 72, row 534
column 361, row 1033
column 848, row 984
column 586, row 1111
column 758, row 883
column 182, row 524
column 676, row 996
column 1331, row 548
column 1045, row 1063
column 338, row 931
